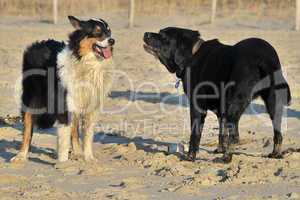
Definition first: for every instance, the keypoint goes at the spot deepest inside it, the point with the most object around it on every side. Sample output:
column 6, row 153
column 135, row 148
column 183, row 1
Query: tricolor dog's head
column 172, row 46
column 91, row 36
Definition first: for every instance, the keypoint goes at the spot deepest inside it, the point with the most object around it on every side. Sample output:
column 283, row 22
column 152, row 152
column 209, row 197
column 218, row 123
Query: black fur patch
column 40, row 62
column 238, row 73
column 74, row 42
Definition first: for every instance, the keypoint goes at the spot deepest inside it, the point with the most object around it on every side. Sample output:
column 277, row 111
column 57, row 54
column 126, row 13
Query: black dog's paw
column 225, row 159
column 275, row 155
column 191, row 156
column 219, row 150
column 234, row 140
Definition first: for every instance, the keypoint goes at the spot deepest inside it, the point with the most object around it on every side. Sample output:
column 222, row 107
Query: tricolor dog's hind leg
column 27, row 137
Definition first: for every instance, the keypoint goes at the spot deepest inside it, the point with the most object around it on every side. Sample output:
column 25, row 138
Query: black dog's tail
column 270, row 68
column 276, row 83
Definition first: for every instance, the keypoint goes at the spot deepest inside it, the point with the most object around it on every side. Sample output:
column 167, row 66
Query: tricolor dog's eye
column 98, row 29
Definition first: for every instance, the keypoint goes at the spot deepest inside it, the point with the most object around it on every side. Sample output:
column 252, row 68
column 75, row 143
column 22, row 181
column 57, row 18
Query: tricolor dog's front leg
column 63, row 142
column 88, row 132
column 75, row 135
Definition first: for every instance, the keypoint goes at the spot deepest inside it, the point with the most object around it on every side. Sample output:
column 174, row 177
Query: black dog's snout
column 147, row 35
column 111, row 41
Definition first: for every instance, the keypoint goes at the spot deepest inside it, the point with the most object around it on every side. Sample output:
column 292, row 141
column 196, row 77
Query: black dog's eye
column 164, row 38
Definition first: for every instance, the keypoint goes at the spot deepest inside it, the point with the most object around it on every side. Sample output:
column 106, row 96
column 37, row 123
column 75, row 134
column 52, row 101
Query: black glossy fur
column 244, row 71
column 40, row 60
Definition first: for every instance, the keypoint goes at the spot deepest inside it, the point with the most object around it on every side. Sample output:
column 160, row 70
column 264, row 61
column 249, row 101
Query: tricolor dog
column 65, row 84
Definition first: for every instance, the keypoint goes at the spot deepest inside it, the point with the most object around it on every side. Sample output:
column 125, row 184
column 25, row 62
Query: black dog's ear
column 197, row 34
column 76, row 23
column 191, row 34
column 179, row 57
column 184, row 54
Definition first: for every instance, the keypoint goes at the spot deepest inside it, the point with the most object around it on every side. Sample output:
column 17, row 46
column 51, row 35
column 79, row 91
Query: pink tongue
column 107, row 53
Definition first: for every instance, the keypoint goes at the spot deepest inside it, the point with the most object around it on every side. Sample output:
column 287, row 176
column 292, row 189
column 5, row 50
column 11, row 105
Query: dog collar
column 197, row 46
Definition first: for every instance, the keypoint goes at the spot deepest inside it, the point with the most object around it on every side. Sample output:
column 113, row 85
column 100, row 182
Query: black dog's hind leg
column 235, row 136
column 197, row 122
column 221, row 145
column 274, row 107
column 236, row 105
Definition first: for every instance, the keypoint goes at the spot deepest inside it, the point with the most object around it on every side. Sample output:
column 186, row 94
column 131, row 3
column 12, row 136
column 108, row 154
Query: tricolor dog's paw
column 90, row 158
column 20, row 157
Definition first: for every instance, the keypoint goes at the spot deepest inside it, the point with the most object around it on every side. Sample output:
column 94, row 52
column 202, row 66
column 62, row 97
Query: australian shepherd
column 65, row 84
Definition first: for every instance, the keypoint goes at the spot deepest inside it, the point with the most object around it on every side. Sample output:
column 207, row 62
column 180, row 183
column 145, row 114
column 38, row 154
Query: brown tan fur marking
column 27, row 137
column 27, row 134
column 86, row 45
column 75, row 136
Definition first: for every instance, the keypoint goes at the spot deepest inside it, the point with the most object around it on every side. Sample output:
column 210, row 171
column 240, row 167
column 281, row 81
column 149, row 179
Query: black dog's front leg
column 221, row 145
column 197, row 123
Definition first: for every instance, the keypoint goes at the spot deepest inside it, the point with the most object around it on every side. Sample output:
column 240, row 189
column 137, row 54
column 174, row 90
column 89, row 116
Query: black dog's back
column 264, row 62
column 39, row 70
column 252, row 58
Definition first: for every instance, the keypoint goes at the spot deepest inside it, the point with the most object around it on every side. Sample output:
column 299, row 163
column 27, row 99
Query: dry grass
column 278, row 8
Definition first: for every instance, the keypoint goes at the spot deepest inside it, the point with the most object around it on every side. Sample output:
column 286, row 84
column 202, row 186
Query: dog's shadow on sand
column 145, row 144
column 7, row 155
column 141, row 143
column 181, row 100
column 6, row 145
column 151, row 97
column 8, row 148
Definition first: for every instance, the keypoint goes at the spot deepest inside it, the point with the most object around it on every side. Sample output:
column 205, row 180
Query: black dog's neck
column 181, row 67
column 180, row 73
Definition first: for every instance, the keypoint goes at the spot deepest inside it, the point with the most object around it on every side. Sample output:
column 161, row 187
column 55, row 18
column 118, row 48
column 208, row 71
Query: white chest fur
column 88, row 80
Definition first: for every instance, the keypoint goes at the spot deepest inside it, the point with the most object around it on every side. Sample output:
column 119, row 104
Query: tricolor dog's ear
column 76, row 23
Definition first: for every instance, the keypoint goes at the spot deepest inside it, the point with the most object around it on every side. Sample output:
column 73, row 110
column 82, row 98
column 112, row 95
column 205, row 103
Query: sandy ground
column 131, row 145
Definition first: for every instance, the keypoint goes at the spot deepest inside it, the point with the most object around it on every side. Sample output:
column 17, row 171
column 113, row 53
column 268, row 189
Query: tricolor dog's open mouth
column 105, row 52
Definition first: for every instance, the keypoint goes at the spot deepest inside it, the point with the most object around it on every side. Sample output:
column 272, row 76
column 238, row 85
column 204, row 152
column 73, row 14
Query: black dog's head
column 172, row 46
column 93, row 35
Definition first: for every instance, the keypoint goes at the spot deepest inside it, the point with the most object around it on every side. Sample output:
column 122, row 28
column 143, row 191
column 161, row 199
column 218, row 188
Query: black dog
column 223, row 79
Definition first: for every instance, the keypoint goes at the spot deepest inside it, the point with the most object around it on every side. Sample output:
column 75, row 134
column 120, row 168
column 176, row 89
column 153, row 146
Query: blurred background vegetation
column 281, row 9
